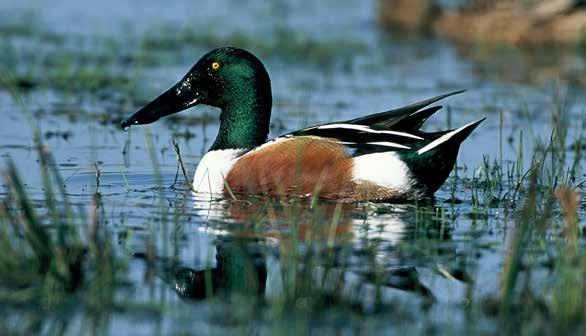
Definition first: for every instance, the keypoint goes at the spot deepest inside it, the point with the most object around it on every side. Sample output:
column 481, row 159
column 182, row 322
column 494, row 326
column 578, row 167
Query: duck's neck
column 244, row 121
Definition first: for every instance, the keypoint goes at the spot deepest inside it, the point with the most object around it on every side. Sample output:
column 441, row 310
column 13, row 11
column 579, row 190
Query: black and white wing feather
column 392, row 130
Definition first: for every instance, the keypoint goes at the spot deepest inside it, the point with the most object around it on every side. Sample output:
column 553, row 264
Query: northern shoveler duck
column 379, row 157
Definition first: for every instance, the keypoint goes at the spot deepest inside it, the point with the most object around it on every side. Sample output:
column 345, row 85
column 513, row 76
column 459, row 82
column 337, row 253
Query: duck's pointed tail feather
column 431, row 164
column 455, row 136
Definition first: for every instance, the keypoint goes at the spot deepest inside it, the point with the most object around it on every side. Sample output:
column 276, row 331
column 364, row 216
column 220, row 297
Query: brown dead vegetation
column 492, row 21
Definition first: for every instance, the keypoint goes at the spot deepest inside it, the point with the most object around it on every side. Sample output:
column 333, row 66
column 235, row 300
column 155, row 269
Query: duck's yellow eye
column 216, row 65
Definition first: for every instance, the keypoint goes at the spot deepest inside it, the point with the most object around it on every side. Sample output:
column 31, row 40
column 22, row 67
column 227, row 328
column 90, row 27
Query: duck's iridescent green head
column 229, row 78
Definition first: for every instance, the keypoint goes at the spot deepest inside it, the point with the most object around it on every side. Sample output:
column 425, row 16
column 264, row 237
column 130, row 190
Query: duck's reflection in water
column 273, row 248
column 240, row 268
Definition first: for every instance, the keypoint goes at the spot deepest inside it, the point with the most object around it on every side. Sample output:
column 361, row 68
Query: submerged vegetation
column 101, row 236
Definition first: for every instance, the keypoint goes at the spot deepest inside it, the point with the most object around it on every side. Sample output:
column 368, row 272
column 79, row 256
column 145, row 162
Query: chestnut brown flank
column 303, row 166
column 297, row 166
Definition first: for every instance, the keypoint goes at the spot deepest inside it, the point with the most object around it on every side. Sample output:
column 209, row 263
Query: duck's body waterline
column 379, row 157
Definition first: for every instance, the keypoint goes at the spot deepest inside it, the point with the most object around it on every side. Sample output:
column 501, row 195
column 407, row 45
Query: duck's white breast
column 213, row 168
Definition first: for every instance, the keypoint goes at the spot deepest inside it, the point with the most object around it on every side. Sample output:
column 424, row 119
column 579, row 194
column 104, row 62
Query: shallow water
column 432, row 259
